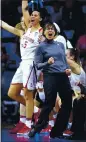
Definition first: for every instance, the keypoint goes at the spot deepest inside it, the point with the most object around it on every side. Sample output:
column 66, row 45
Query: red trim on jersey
column 16, row 83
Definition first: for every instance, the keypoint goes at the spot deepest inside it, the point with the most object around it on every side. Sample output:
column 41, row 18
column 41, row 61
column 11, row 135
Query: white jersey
column 75, row 78
column 28, row 43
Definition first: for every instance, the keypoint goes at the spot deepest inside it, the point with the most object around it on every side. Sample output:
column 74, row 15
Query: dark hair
column 42, row 12
column 49, row 24
column 45, row 16
column 74, row 52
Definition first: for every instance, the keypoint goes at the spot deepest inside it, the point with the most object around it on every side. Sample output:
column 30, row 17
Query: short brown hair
column 49, row 24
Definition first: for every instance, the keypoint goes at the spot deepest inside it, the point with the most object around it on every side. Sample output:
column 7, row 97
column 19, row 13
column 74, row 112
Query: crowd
column 50, row 82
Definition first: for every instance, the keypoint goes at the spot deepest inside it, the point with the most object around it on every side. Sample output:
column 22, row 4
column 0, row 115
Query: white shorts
column 25, row 74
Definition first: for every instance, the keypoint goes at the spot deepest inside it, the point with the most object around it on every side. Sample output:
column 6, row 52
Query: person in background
column 72, row 19
column 56, row 16
column 81, row 47
column 61, row 38
column 75, row 79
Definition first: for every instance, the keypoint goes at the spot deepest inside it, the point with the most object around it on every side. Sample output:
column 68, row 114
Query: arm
column 25, row 12
column 74, row 66
column 39, row 59
column 11, row 29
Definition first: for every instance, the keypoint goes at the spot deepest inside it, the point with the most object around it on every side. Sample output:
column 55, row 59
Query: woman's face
column 35, row 18
column 49, row 32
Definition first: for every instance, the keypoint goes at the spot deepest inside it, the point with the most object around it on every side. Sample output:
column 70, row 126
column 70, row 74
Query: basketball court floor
column 42, row 137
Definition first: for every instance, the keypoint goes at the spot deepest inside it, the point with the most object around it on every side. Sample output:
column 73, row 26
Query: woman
column 40, row 98
column 50, row 56
column 77, row 77
column 59, row 38
column 24, row 76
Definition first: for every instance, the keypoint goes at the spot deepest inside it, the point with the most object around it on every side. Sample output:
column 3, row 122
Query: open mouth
column 50, row 34
column 32, row 20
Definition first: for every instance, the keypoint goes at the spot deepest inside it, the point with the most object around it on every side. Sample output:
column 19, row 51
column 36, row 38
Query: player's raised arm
column 11, row 29
column 25, row 12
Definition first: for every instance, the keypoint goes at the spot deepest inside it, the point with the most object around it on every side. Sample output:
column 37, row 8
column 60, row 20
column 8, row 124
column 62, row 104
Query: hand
column 68, row 71
column 51, row 60
column 41, row 38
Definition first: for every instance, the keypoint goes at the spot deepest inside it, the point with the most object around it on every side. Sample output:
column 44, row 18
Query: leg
column 56, row 108
column 65, row 94
column 16, row 86
column 22, row 120
column 29, row 103
column 57, row 104
column 14, row 92
column 22, row 107
column 36, row 103
column 51, row 93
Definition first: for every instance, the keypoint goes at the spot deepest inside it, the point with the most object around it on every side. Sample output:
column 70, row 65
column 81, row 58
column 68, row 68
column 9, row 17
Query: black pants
column 54, row 83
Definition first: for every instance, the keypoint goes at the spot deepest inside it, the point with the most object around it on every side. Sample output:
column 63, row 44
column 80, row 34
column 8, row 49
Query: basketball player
column 25, row 76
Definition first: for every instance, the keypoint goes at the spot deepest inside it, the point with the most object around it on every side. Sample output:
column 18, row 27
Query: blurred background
column 70, row 15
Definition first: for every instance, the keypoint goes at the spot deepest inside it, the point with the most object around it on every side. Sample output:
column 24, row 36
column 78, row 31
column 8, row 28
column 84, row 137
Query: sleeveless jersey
column 75, row 78
column 28, row 43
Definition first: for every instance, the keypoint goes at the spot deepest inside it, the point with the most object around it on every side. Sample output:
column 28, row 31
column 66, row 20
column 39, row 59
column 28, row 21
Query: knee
column 28, row 95
column 11, row 94
column 26, row 98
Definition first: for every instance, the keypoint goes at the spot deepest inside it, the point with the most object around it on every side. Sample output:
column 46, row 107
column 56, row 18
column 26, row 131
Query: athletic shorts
column 26, row 75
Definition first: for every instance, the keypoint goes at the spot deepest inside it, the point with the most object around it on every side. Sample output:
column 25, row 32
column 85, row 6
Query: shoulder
column 59, row 43
column 61, row 39
column 41, row 45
